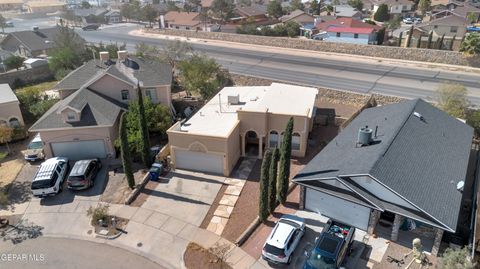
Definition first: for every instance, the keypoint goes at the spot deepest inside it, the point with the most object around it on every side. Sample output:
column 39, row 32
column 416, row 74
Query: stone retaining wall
column 412, row 54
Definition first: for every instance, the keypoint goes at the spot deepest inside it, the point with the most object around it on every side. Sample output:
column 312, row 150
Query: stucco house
column 242, row 121
column 183, row 20
column 10, row 113
column 347, row 30
column 84, row 123
column 401, row 165
column 44, row 6
column 297, row 16
column 450, row 26
column 11, row 4
column 395, row 6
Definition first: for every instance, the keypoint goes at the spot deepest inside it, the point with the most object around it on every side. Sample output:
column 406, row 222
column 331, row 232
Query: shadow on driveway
column 171, row 196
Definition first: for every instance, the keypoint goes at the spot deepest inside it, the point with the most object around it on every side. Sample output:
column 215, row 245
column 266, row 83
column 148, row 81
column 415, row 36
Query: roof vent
column 418, row 115
column 234, row 99
column 364, row 136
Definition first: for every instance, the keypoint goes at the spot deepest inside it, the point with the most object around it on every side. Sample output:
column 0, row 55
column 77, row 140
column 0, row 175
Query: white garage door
column 338, row 209
column 199, row 161
column 79, row 150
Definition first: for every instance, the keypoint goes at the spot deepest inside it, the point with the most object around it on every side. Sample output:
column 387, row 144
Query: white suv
column 49, row 177
column 283, row 239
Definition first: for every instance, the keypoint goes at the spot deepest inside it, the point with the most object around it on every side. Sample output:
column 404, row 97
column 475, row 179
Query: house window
column 151, row 94
column 71, row 116
column 296, row 141
column 355, row 35
column 14, row 123
column 453, row 29
column 125, row 95
column 273, row 139
column 338, row 34
column 187, row 28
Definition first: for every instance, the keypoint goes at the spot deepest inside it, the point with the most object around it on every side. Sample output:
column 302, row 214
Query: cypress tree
column 272, row 181
column 400, row 39
column 125, row 152
column 451, row 43
column 409, row 38
column 284, row 163
column 419, row 41
column 263, row 199
column 145, row 143
column 440, row 45
column 429, row 42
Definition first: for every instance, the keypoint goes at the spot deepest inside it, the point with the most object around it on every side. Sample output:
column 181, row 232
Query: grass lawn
column 44, row 86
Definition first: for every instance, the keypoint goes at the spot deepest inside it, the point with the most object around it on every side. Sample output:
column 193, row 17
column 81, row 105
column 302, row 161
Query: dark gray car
column 83, row 173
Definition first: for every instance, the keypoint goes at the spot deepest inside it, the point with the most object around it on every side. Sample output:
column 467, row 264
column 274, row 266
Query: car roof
column 281, row 233
column 329, row 245
column 80, row 167
column 47, row 168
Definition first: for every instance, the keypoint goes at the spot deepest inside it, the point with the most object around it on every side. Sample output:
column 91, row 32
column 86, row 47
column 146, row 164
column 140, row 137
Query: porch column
column 396, row 227
column 373, row 221
column 301, row 202
column 260, row 147
column 242, row 143
column 437, row 241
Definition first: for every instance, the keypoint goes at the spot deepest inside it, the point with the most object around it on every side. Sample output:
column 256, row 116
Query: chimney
column 122, row 55
column 104, row 56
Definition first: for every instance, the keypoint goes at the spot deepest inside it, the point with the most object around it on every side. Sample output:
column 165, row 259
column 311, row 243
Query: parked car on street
column 34, row 151
column 49, row 177
column 283, row 239
column 9, row 24
column 417, row 20
column 407, row 20
column 83, row 173
column 90, row 27
column 331, row 248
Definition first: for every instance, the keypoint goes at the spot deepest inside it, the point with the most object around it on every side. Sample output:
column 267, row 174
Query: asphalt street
column 343, row 73
column 53, row 253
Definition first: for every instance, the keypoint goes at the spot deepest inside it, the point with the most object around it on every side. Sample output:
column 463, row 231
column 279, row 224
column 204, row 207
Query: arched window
column 273, row 139
column 295, row 141
column 14, row 123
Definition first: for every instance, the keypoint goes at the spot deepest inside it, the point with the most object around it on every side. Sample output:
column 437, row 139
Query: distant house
column 395, row 6
column 348, row 30
column 34, row 43
column 47, row 6
column 297, row 16
column 90, row 15
column 183, row 20
column 11, row 5
column 449, row 26
column 344, row 11
column 10, row 113
column 84, row 123
column 113, row 16
column 464, row 11
column 398, row 165
column 256, row 14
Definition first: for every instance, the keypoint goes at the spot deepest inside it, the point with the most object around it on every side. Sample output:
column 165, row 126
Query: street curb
column 256, row 222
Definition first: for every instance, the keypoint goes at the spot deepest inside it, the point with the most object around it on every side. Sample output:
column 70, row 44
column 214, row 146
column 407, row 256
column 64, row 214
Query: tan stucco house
column 242, row 121
column 10, row 114
column 84, row 123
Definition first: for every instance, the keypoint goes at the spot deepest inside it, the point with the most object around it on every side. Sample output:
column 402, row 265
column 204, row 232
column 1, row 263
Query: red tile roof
column 345, row 22
column 349, row 30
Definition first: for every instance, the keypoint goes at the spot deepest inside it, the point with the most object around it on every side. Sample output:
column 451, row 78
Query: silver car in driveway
column 283, row 239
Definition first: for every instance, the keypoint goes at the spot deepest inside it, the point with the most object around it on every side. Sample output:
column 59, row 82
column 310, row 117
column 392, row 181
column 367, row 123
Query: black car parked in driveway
column 83, row 173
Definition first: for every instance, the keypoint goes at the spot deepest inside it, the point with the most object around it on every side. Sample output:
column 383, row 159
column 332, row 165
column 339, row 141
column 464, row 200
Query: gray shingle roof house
column 84, row 123
column 34, row 43
column 411, row 167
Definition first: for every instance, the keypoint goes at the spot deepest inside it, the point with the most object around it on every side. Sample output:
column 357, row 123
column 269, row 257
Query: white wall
column 349, row 38
column 380, row 191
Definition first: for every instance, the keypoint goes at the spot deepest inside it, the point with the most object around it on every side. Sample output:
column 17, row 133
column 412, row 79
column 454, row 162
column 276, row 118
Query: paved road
column 69, row 254
column 344, row 73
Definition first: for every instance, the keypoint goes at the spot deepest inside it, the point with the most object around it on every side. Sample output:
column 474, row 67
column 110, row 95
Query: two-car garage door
column 199, row 161
column 78, row 150
column 338, row 209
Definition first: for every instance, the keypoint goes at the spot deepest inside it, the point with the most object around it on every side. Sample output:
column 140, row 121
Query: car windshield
column 76, row 178
column 42, row 184
column 35, row 145
column 316, row 260
column 273, row 250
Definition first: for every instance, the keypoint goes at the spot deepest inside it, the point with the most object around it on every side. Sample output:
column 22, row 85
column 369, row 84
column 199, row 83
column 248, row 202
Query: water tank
column 364, row 136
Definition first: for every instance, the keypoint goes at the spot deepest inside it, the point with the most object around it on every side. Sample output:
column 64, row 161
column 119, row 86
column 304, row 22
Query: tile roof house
column 344, row 11
column 254, row 14
column 183, row 20
column 34, row 43
column 84, row 123
column 406, row 159
column 297, row 16
column 10, row 113
column 451, row 25
column 242, row 121
column 395, row 6
column 348, row 30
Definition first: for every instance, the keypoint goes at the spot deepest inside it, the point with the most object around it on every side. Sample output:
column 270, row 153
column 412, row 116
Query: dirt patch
column 144, row 193
column 120, row 224
column 9, row 171
column 117, row 189
column 246, row 208
column 397, row 251
column 197, row 257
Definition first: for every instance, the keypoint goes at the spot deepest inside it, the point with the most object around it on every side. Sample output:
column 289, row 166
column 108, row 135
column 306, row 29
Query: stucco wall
column 233, row 148
column 301, row 125
column 412, row 54
column 26, row 76
column 112, row 87
column 10, row 110
column 349, row 38
column 78, row 134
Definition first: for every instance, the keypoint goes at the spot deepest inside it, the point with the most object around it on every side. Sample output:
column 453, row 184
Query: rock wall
column 412, row 54
column 26, row 76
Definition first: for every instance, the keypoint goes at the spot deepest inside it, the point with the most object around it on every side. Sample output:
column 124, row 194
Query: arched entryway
column 253, row 144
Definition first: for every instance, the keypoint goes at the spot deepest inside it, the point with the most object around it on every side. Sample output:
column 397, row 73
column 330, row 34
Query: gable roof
column 394, row 2
column 466, row 9
column 451, row 20
column 183, row 18
column 6, row 94
column 409, row 155
column 253, row 10
column 41, row 39
column 89, row 11
column 345, row 11
column 293, row 15
column 97, row 110
column 345, row 22
column 150, row 73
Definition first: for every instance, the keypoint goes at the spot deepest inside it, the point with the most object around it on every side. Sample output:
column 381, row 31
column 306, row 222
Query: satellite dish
column 460, row 185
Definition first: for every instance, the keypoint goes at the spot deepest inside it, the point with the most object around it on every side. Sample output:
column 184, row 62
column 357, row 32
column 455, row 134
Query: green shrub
column 100, row 212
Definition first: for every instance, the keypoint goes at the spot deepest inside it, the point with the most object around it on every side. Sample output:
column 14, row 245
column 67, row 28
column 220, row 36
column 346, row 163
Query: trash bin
column 155, row 171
